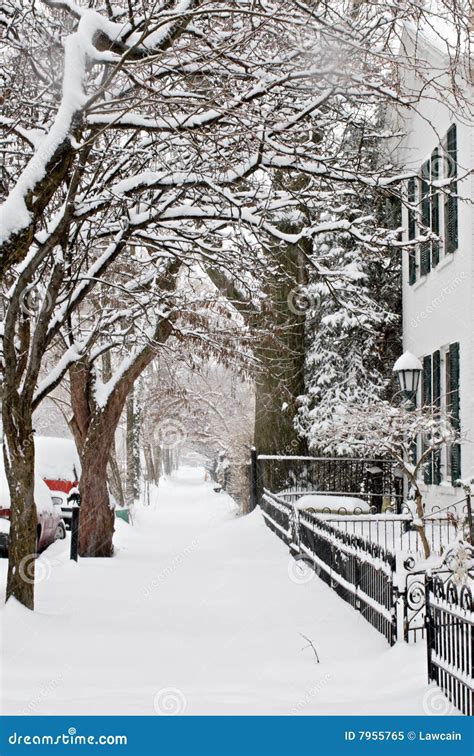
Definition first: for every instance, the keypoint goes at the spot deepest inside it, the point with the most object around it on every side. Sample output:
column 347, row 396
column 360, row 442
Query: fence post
column 253, row 478
column 429, row 626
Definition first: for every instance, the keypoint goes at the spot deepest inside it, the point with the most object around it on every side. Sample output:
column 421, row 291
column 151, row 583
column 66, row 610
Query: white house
column 438, row 278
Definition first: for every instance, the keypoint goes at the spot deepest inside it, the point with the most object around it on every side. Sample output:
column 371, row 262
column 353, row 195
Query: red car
column 58, row 464
column 50, row 524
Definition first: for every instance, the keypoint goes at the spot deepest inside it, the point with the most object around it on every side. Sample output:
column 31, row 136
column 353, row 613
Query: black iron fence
column 395, row 533
column 377, row 482
column 359, row 571
column 450, row 640
column 395, row 599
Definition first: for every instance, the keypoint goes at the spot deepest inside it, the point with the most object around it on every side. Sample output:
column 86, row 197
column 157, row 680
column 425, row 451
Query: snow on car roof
column 43, row 499
column 57, row 458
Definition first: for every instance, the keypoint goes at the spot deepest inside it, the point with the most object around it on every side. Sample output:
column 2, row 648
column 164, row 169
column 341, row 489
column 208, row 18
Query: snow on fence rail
column 360, row 572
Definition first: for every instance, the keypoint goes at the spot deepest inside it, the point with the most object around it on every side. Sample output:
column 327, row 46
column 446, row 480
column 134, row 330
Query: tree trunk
column 421, row 528
column 97, row 517
column 116, row 487
column 149, row 464
column 132, row 488
column 94, row 427
column 157, row 463
column 20, row 471
column 281, row 377
column 281, row 356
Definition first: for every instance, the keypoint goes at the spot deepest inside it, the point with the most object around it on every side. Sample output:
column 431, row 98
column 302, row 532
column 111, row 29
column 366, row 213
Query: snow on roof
column 57, row 458
column 407, row 361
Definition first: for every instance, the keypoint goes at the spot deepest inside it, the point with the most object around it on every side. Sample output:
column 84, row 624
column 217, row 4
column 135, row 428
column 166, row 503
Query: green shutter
column 437, row 402
column 451, row 201
column 435, row 207
column 437, row 378
column 425, row 247
column 452, row 151
column 426, row 394
column 454, row 408
column 411, row 197
column 426, row 401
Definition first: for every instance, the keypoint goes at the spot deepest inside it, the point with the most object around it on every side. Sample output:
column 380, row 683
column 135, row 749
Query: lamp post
column 409, row 369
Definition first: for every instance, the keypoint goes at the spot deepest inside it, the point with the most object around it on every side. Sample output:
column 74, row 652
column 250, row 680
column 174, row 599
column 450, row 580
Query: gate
column 450, row 640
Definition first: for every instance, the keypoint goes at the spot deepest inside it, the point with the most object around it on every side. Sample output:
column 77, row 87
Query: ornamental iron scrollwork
column 466, row 600
column 452, row 593
column 415, row 595
column 438, row 588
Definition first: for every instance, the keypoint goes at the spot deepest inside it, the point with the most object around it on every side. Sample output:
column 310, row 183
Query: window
column 440, row 388
column 425, row 209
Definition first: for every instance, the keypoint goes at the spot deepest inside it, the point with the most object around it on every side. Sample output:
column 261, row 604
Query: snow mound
column 407, row 361
column 335, row 504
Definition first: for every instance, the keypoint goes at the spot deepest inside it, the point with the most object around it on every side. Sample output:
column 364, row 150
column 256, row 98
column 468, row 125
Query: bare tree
column 382, row 428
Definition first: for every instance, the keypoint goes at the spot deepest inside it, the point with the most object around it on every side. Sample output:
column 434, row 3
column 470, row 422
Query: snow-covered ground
column 200, row 612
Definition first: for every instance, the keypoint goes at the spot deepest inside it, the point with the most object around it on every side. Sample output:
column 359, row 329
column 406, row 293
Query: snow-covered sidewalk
column 200, row 612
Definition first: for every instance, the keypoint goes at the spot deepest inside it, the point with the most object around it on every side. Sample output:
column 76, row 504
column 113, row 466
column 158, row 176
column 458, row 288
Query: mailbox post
column 75, row 501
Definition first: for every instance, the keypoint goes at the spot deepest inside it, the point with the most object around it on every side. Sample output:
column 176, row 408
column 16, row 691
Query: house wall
column 438, row 309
